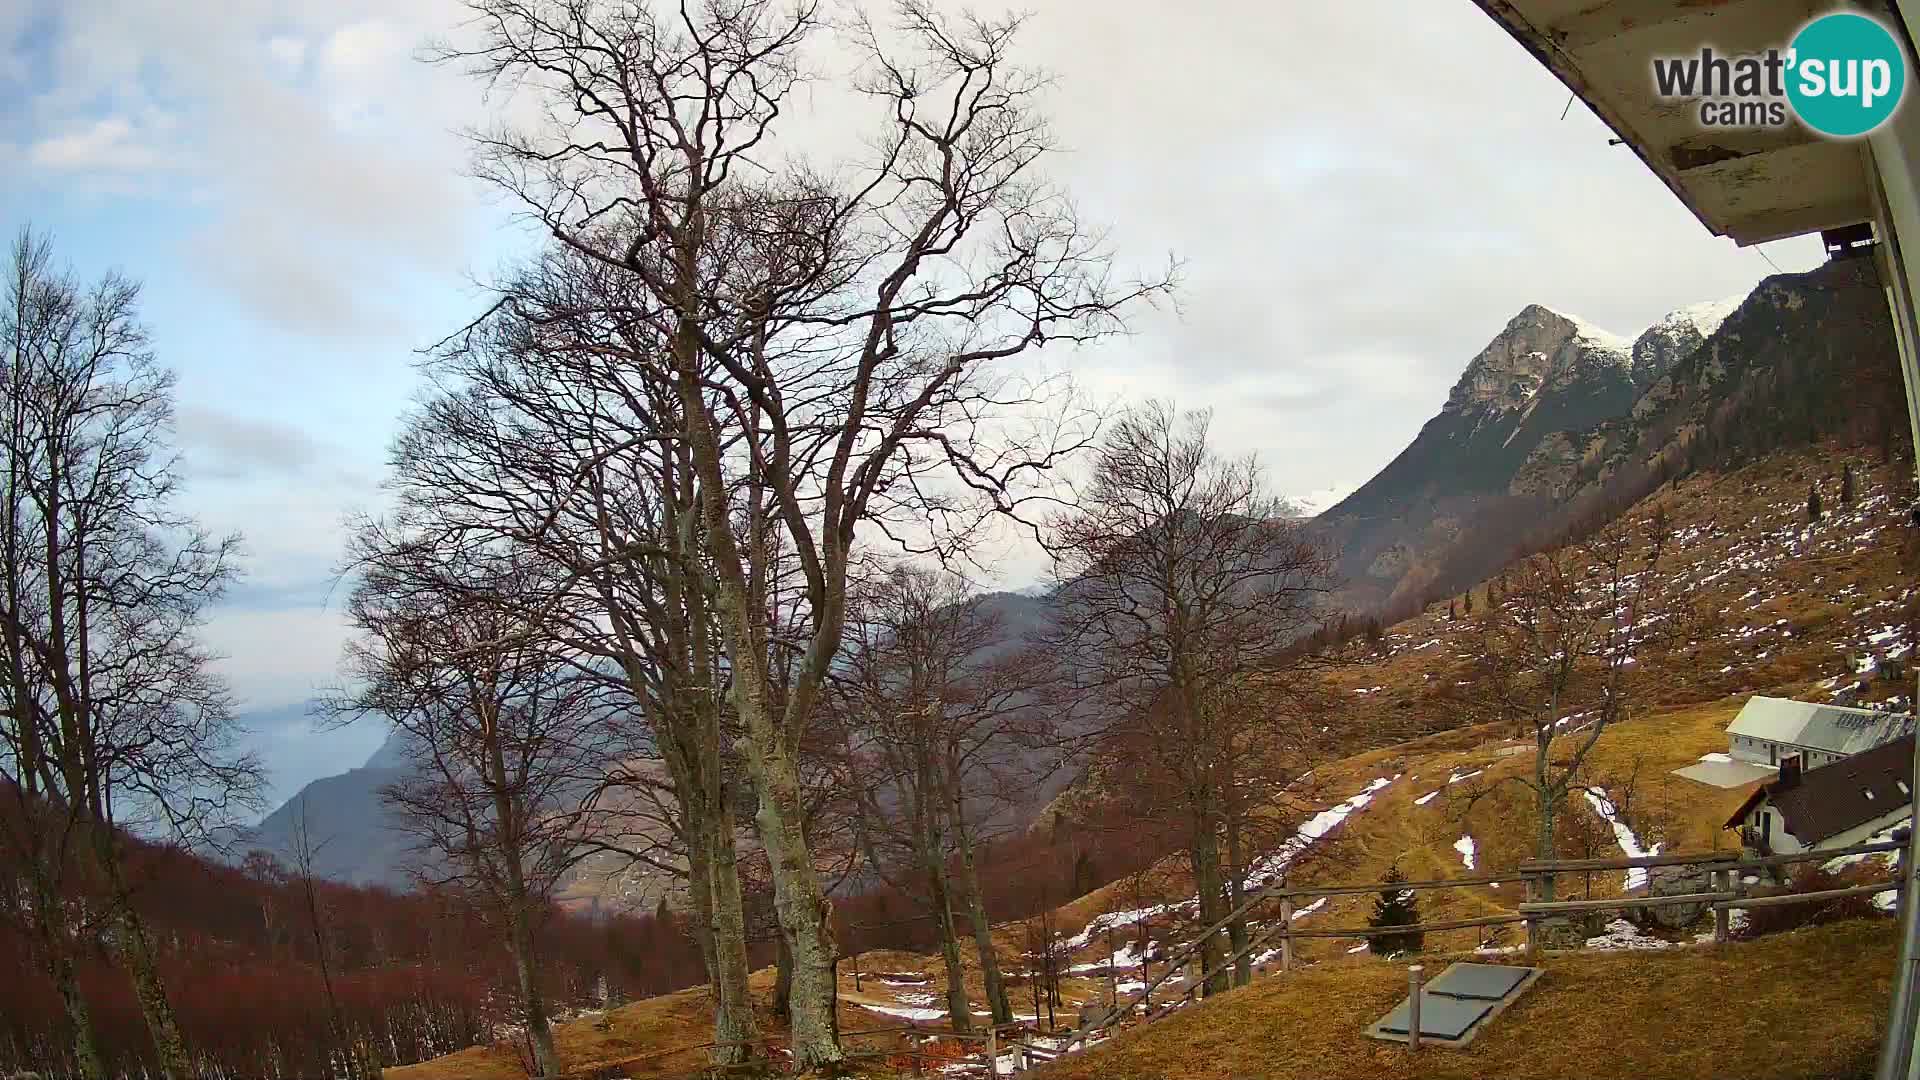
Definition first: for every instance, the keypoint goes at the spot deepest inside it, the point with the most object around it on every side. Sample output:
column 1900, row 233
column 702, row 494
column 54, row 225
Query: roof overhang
column 1751, row 185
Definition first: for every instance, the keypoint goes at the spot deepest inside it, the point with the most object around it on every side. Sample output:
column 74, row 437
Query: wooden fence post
column 993, row 1049
column 1286, row 932
column 1533, row 921
column 1722, row 917
column 1413, row 1006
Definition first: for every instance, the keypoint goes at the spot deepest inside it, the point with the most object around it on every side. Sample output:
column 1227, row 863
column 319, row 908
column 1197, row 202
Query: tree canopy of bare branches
column 113, row 716
column 1182, row 586
column 1558, row 656
column 832, row 339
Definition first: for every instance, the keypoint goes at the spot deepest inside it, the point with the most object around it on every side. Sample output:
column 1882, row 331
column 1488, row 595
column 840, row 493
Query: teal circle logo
column 1846, row 74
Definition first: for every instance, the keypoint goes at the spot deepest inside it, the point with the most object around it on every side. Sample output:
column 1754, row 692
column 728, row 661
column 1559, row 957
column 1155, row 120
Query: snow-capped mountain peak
column 1314, row 503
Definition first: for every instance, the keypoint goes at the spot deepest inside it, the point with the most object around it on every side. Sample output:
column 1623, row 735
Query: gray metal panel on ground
column 1455, row 1019
column 1487, row 982
column 1441, row 1017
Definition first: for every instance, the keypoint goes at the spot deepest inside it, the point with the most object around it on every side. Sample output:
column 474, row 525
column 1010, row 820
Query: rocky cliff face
column 1545, row 374
column 1797, row 337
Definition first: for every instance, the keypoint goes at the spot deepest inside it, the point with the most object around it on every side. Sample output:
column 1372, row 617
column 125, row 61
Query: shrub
column 1774, row 920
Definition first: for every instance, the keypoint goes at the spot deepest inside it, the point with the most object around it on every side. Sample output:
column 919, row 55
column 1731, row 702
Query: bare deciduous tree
column 1557, row 657
column 113, row 716
column 1182, row 587
column 829, row 335
column 505, row 739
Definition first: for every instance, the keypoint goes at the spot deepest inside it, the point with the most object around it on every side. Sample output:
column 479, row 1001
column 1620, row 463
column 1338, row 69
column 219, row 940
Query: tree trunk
column 768, row 745
column 49, row 914
column 142, row 965
column 1206, row 879
column 1237, row 929
column 733, row 1021
column 797, row 898
column 982, row 931
column 1544, row 849
column 1547, row 805
column 959, row 1009
column 533, row 1003
column 783, row 979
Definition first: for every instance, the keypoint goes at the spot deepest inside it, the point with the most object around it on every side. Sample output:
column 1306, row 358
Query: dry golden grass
column 1802, row 1006
column 1728, row 1000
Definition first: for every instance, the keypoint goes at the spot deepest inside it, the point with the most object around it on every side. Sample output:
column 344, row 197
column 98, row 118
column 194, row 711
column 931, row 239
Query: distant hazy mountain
column 361, row 841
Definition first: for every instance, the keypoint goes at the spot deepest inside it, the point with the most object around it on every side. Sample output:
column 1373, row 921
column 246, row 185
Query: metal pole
column 1896, row 1048
column 1413, row 1006
column 1888, row 167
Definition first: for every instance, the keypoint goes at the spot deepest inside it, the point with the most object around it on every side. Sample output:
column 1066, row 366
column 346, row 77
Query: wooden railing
column 1725, row 895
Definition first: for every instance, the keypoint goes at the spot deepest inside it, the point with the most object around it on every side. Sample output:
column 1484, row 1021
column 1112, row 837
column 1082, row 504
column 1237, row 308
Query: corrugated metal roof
column 1832, row 728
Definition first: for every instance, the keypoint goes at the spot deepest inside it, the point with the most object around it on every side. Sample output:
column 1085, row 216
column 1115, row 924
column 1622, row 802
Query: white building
column 1770, row 730
column 1833, row 806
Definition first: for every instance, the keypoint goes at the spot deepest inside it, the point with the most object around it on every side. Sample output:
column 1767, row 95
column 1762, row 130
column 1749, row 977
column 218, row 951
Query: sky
column 1360, row 196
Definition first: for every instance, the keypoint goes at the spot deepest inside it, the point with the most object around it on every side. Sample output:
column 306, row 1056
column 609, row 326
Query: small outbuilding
column 1770, row 730
column 1832, row 806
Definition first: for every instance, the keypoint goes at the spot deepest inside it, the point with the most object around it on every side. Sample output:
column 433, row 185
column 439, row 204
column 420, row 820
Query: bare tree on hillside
column 505, row 738
column 544, row 437
column 1183, row 586
column 1559, row 660
column 113, row 715
column 830, row 335
column 943, row 729
column 305, row 852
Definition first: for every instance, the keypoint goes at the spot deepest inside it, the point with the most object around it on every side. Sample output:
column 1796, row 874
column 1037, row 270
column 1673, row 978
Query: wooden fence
column 1726, row 894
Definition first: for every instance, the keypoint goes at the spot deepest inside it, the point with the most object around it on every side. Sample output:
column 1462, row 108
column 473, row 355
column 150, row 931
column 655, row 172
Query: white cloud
column 107, row 145
column 361, row 46
column 289, row 51
column 278, row 657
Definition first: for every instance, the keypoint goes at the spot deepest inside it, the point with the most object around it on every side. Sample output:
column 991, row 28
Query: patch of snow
column 906, row 1012
column 1362, row 947
column 1464, row 846
column 1889, row 858
column 1427, row 798
column 1316, row 827
column 1622, row 934
column 1630, row 844
column 1721, row 758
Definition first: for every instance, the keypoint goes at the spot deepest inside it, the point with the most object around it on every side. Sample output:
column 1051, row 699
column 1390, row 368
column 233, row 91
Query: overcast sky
column 1362, row 197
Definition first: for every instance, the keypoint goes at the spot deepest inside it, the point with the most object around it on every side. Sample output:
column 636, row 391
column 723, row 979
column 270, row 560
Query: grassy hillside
column 1794, row 1006
column 1801, row 607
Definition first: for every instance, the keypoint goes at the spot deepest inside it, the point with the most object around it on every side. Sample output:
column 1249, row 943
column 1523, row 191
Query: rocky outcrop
column 1794, row 336
column 1509, row 430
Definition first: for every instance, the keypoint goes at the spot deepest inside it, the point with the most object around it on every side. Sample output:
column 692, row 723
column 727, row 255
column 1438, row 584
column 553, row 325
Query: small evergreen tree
column 1813, row 503
column 1467, row 602
column 1847, row 492
column 1395, row 907
column 1453, row 611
